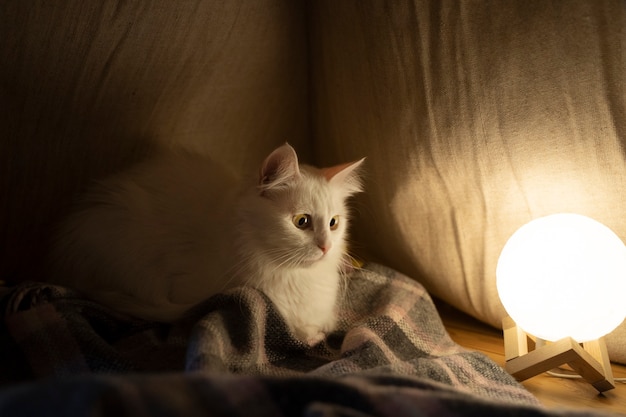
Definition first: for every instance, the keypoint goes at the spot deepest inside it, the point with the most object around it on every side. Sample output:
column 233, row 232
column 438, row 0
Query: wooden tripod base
column 590, row 361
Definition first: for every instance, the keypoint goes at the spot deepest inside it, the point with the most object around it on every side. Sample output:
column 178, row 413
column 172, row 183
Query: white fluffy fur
column 155, row 241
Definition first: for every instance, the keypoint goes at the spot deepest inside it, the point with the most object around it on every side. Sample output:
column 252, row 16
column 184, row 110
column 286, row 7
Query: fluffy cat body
column 155, row 241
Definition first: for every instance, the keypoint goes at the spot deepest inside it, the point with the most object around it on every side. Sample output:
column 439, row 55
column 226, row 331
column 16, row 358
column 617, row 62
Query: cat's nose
column 325, row 247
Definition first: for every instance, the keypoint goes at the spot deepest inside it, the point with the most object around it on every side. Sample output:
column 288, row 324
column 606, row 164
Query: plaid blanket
column 390, row 356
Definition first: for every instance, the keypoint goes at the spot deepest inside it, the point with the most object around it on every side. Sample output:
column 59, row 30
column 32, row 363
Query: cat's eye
column 302, row 221
column 334, row 222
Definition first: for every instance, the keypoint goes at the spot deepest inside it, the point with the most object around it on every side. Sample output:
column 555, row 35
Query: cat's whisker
column 281, row 261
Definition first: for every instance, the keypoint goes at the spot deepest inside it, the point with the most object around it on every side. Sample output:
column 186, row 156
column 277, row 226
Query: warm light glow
column 564, row 275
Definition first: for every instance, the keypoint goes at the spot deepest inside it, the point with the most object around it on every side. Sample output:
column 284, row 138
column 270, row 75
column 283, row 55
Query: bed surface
column 551, row 391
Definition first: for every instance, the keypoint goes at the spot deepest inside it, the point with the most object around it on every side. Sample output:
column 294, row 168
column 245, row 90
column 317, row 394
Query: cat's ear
column 279, row 168
column 347, row 176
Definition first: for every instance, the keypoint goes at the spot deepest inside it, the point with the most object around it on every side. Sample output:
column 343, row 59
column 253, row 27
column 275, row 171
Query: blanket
column 389, row 356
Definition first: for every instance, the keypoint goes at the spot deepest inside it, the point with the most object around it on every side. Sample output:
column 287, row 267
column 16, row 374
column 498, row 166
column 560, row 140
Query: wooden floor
column 553, row 392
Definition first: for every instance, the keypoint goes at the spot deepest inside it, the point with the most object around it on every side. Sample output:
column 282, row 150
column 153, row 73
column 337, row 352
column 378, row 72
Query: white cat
column 177, row 229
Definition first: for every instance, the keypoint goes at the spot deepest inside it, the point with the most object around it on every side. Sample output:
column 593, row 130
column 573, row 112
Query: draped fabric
column 390, row 356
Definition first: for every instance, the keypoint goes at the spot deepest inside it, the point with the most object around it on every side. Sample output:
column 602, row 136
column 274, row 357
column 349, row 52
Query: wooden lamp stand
column 590, row 359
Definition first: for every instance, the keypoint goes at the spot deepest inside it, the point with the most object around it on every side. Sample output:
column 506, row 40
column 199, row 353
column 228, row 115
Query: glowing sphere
column 563, row 275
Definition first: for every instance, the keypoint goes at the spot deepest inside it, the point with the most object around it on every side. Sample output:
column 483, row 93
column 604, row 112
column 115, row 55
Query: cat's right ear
column 279, row 168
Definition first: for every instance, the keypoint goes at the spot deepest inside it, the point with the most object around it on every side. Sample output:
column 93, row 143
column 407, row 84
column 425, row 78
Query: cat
column 157, row 240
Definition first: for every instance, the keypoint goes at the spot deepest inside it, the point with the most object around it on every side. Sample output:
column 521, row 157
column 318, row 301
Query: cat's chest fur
column 168, row 234
column 306, row 298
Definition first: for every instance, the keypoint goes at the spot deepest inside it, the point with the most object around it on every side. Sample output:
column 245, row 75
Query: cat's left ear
column 279, row 168
column 347, row 176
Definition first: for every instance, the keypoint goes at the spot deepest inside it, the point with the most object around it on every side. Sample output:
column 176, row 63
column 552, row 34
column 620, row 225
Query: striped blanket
column 233, row 355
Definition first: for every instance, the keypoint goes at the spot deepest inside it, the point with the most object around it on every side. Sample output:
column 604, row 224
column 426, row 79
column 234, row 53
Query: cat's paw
column 311, row 335
column 312, row 341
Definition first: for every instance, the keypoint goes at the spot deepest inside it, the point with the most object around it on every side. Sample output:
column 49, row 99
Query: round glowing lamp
column 562, row 279
column 563, row 275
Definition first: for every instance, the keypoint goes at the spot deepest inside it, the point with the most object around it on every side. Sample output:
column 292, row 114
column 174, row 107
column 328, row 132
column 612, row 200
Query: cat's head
column 299, row 216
